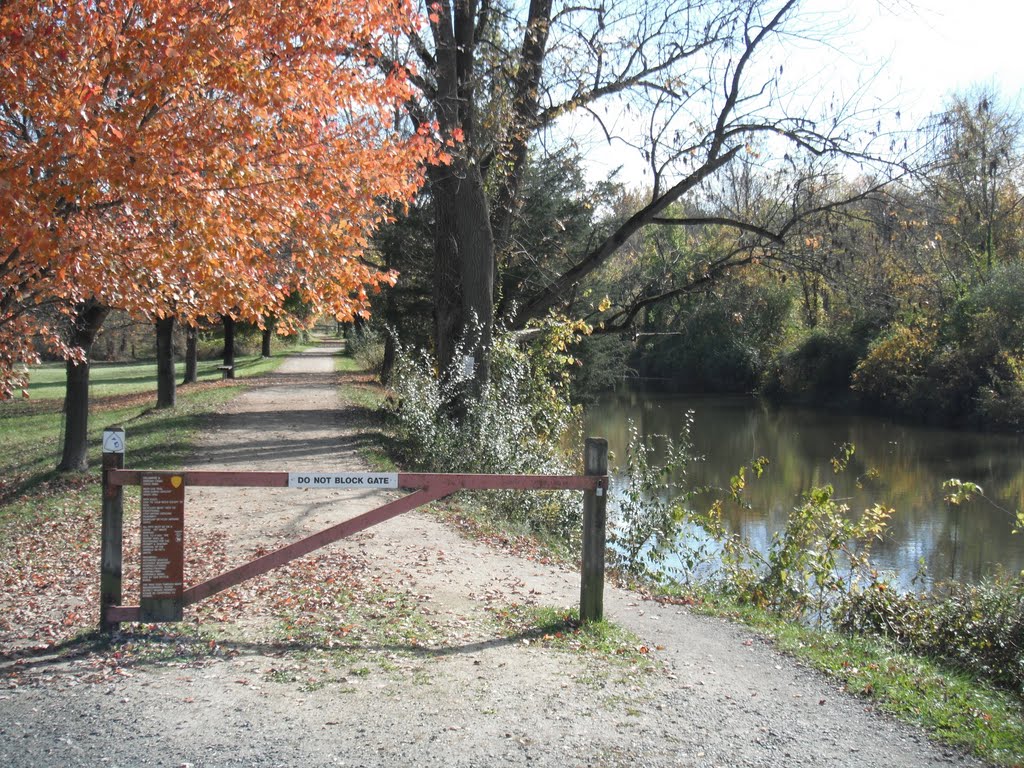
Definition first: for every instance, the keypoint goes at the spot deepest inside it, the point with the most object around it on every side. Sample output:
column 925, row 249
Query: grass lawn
column 120, row 393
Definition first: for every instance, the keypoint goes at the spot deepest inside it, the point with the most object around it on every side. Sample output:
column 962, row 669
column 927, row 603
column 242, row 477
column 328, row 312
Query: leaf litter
column 328, row 602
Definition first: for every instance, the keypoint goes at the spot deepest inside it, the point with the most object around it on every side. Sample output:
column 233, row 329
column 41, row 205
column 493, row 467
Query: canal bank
column 928, row 540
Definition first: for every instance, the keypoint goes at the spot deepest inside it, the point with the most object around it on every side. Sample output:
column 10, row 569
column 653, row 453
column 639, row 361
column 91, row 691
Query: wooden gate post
column 111, row 531
column 595, row 462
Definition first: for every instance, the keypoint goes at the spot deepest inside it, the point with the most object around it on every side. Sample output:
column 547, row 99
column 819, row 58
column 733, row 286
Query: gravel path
column 715, row 694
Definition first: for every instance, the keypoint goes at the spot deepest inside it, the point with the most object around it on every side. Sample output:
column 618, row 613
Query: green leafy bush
column 709, row 353
column 1000, row 297
column 809, row 566
column 978, row 627
column 716, row 342
column 962, row 367
column 894, row 373
column 1001, row 402
column 209, row 348
column 602, row 365
column 822, row 553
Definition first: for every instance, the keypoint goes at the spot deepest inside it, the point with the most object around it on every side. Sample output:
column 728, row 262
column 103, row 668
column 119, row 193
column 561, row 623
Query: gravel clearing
column 713, row 693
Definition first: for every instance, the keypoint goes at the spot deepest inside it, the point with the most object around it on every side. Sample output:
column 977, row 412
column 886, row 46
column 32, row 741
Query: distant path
column 723, row 697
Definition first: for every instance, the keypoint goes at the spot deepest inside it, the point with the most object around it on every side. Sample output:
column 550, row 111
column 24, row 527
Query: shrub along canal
column 897, row 465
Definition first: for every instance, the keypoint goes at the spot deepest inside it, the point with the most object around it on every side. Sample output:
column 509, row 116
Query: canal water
column 894, row 464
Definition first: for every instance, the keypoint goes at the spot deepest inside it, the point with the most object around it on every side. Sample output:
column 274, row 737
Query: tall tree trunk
column 191, row 354
column 166, row 395
column 463, row 238
column 463, row 270
column 229, row 345
column 387, row 366
column 89, row 317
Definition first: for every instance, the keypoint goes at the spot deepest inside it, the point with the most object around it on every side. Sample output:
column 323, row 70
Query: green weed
column 561, row 629
column 957, row 708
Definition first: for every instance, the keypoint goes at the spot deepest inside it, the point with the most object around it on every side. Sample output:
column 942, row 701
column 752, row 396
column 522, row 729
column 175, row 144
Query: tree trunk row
column 86, row 323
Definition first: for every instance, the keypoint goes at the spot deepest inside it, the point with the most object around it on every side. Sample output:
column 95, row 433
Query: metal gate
column 162, row 593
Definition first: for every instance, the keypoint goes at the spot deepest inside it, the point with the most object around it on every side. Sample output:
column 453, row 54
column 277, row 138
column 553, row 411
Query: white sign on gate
column 361, row 480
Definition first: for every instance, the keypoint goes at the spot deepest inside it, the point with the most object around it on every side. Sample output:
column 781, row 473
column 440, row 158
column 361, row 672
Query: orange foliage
column 194, row 157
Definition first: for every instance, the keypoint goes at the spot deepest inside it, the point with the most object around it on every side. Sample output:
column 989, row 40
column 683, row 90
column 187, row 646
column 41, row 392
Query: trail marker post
column 111, row 527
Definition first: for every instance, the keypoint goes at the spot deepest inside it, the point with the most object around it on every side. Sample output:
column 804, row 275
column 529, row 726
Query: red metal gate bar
column 430, row 487
column 426, row 487
column 407, row 480
column 468, row 482
column 279, row 557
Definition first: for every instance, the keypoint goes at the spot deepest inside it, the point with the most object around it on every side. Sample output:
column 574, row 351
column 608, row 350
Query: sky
column 915, row 53
column 934, row 47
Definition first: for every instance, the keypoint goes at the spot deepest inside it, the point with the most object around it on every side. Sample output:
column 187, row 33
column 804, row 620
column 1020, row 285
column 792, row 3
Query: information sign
column 163, row 547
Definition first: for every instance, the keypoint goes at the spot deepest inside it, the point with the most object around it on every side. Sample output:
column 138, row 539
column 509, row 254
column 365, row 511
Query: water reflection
column 896, row 465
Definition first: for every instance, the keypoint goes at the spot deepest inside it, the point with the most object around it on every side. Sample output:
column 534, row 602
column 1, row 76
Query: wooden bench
column 226, row 371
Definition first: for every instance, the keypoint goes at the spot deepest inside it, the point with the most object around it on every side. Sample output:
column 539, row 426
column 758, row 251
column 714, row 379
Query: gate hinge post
column 112, row 524
column 595, row 462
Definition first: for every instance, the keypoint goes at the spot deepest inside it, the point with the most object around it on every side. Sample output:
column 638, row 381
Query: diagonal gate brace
column 303, row 547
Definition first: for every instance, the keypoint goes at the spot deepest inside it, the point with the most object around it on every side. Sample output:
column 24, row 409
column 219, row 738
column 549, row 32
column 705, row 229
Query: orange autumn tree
column 193, row 157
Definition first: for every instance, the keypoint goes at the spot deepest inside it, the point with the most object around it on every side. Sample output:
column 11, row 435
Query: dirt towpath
column 469, row 694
